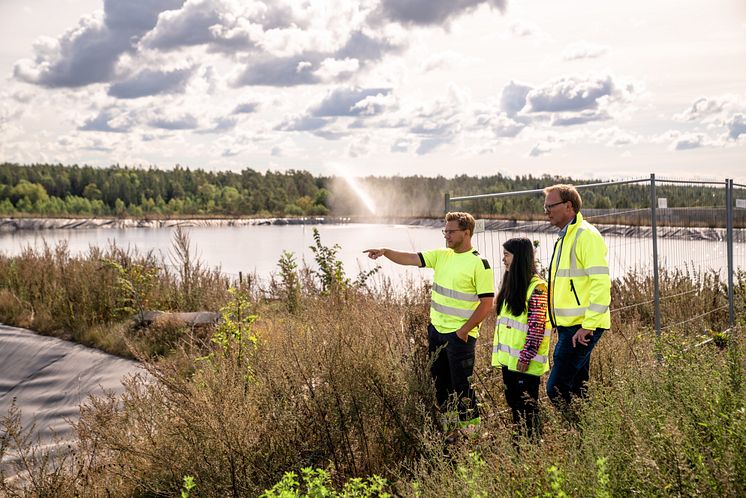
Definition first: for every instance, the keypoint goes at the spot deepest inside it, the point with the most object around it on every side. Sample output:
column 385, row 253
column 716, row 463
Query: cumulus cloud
column 702, row 108
column 360, row 147
column 583, row 50
column 500, row 125
column 737, row 126
column 437, row 123
column 282, row 71
column 725, row 112
column 152, row 82
column 246, row 108
column 687, row 141
column 184, row 121
column 430, row 12
column 569, row 94
column 224, row 25
column 303, row 123
column 521, row 29
column 352, row 102
column 445, row 60
column 540, row 149
column 331, row 69
column 513, row 98
column 566, row 101
column 221, row 125
column 582, row 117
column 401, row 145
column 110, row 119
column 280, row 43
column 89, row 52
column 313, row 66
column 616, row 137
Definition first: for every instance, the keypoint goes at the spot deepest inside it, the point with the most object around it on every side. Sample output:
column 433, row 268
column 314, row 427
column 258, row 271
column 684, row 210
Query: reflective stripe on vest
column 454, row 293
column 515, row 324
column 450, row 310
column 517, row 353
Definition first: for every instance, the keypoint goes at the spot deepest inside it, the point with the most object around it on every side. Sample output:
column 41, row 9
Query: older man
column 579, row 292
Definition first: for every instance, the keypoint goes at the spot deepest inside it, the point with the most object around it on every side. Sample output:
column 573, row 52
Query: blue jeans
column 571, row 366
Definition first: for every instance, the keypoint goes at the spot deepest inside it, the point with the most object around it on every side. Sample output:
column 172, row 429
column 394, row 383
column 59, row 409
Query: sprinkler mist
column 356, row 188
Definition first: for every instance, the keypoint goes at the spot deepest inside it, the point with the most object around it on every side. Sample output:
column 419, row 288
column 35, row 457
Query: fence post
column 729, row 238
column 656, row 282
column 447, row 202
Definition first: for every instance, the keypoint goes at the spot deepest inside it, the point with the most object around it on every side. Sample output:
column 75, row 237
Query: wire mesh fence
column 670, row 241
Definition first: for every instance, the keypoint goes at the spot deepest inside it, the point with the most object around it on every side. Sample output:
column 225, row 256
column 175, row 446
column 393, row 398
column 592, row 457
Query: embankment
column 48, row 379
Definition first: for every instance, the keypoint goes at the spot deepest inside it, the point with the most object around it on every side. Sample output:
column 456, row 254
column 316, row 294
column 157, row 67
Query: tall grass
column 90, row 298
column 339, row 381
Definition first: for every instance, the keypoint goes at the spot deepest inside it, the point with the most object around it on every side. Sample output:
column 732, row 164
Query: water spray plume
column 356, row 188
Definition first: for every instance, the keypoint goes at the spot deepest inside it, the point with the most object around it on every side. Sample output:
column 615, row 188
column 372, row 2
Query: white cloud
column 430, row 12
column 521, row 29
column 401, row 145
column 152, row 82
column 540, row 149
column 89, row 52
column 737, row 126
column 179, row 121
column 583, row 50
column 569, row 94
column 499, row 124
column 303, row 123
column 446, row 60
column 616, row 137
column 703, row 108
column 332, row 69
column 246, row 108
column 513, row 98
column 351, row 102
column 685, row 141
column 111, row 119
column 359, row 147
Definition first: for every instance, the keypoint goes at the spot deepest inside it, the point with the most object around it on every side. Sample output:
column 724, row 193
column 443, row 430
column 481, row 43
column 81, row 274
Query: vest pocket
column 574, row 292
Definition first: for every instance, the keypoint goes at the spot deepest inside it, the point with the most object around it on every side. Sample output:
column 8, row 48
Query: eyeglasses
column 449, row 232
column 547, row 207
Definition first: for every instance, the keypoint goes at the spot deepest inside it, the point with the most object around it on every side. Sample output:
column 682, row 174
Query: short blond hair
column 567, row 193
column 465, row 220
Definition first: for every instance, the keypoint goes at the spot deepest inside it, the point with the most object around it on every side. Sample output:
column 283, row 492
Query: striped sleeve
column 537, row 312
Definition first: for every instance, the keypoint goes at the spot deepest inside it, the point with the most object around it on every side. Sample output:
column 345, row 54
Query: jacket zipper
column 574, row 293
column 552, row 318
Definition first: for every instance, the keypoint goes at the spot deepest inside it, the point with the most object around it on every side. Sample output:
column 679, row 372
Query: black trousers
column 522, row 395
column 452, row 369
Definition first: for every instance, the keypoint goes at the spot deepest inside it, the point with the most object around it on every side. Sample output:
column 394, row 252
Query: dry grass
column 341, row 382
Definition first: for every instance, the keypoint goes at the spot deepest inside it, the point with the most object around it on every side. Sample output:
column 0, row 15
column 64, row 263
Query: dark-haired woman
column 522, row 332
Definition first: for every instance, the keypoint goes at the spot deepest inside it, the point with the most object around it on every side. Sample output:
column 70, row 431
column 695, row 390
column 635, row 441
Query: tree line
column 122, row 191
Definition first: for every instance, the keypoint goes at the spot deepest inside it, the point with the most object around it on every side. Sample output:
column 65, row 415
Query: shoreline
column 11, row 225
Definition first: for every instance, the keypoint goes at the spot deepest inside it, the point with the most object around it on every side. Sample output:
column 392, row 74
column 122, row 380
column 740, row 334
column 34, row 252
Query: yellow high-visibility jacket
column 459, row 282
column 579, row 282
column 510, row 338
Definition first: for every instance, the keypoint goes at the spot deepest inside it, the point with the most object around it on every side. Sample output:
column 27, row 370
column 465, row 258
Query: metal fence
column 670, row 241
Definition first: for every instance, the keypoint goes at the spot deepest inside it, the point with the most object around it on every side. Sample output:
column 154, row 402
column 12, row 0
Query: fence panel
column 686, row 221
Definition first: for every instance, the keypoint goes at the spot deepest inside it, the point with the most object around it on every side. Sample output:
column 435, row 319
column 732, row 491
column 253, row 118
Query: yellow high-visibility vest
column 511, row 332
column 579, row 282
column 459, row 282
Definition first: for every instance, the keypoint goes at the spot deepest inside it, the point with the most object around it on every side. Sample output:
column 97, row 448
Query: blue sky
column 385, row 87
